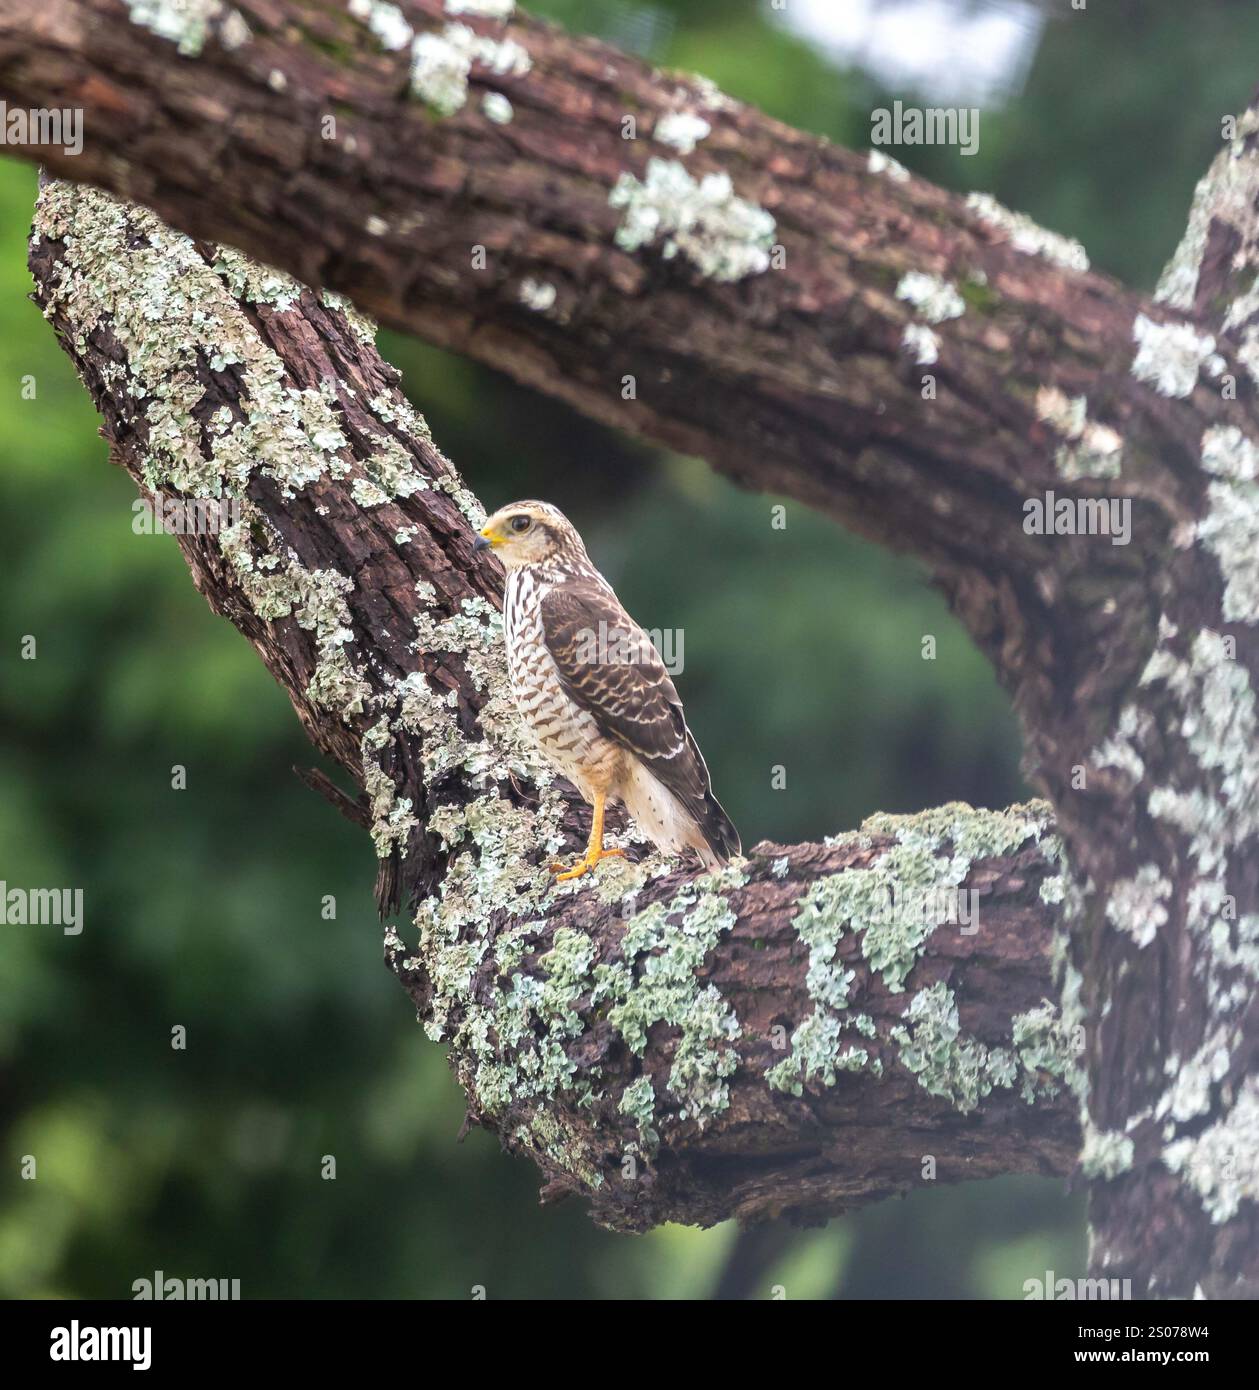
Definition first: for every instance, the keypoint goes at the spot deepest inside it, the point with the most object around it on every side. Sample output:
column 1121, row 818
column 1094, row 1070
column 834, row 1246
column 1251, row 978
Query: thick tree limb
column 619, row 1030
column 1132, row 666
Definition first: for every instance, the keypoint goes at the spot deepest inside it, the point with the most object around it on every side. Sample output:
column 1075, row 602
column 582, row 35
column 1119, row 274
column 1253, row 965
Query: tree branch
column 793, row 1035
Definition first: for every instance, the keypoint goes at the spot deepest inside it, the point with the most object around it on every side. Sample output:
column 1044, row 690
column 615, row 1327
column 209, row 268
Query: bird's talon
column 584, row 866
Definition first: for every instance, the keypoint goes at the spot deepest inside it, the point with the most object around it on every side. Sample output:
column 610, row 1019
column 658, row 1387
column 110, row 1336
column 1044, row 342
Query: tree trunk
column 928, row 370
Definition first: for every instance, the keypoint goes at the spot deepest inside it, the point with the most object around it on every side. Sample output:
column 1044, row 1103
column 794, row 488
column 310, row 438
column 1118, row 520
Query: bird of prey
column 594, row 692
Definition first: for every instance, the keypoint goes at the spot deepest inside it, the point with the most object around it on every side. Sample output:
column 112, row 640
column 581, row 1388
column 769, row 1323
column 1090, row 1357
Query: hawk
column 594, row 692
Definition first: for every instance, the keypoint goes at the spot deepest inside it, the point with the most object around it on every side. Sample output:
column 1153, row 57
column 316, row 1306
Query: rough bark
column 797, row 359
column 396, row 672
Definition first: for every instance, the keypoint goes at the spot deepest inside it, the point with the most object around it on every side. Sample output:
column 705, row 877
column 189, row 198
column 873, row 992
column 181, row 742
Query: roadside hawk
column 593, row 690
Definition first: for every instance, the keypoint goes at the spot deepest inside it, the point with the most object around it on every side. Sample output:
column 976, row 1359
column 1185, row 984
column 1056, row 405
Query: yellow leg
column 594, row 850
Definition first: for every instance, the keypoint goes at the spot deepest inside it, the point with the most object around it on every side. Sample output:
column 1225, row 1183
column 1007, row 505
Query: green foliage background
column 203, row 906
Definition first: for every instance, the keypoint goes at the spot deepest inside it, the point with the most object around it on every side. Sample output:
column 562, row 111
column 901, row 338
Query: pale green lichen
column 1228, row 454
column 682, row 130
column 893, row 941
column 486, row 9
column 367, row 493
column 1171, row 355
column 1137, row 905
column 1090, row 450
column 893, row 906
column 1192, row 1079
column 439, row 71
column 916, row 866
column 277, row 586
column 1046, row 1048
column 497, row 108
column 391, row 469
column 511, row 945
column 1220, row 728
column 1221, row 1163
column 515, row 1038
column 1106, row 1154
column 1024, row 234
column 960, row 1069
column 441, row 64
column 1053, row 889
column 724, row 236
column 538, row 295
column 817, row 1055
column 363, row 325
column 189, row 23
column 880, row 163
column 656, row 982
column 935, row 299
column 534, row 1018
column 531, row 1020
column 548, row 1132
column 475, row 633
column 921, row 343
column 1229, row 528
column 392, row 820
column 620, row 881
column 1119, row 749
column 972, row 832
column 1248, row 351
column 707, row 93
column 259, row 284
column 823, row 912
column 386, row 22
column 638, row 1101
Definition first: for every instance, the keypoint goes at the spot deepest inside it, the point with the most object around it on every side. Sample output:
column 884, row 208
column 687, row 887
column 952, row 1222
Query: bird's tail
column 718, row 830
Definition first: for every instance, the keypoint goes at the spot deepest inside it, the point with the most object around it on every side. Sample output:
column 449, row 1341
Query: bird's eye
column 520, row 523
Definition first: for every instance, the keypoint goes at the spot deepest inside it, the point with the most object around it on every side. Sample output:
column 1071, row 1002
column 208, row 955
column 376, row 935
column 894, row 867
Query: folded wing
column 608, row 665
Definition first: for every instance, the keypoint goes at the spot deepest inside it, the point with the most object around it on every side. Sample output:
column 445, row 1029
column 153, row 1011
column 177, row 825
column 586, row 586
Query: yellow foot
column 586, row 865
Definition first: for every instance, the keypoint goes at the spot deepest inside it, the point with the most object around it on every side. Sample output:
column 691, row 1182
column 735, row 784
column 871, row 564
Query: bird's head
column 532, row 533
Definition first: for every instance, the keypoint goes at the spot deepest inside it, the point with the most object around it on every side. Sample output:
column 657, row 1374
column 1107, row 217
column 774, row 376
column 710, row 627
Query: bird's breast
column 566, row 733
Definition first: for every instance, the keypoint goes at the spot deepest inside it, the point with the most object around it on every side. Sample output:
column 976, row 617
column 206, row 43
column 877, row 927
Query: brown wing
column 608, row 666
